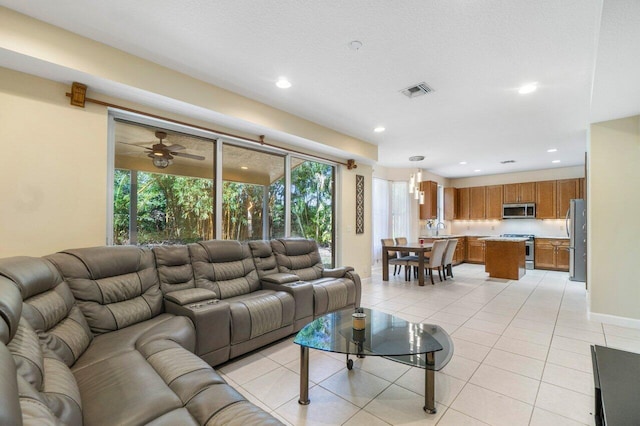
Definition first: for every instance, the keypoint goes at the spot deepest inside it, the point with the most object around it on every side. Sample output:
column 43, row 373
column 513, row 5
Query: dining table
column 417, row 248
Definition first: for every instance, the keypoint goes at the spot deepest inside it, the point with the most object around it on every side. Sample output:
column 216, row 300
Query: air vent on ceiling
column 507, row 161
column 417, row 90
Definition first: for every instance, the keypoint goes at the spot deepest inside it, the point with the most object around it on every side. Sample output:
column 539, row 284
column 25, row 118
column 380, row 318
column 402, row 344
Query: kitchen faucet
column 438, row 227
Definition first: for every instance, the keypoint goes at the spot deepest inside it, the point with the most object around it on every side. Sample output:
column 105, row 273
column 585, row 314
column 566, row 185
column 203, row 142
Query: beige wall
column 613, row 206
column 53, row 169
column 356, row 250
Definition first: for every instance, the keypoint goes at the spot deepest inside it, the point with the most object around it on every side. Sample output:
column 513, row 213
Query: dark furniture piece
column 426, row 346
column 616, row 376
column 418, row 248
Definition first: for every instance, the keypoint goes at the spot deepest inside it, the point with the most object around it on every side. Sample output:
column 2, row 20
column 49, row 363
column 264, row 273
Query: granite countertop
column 564, row 237
column 511, row 239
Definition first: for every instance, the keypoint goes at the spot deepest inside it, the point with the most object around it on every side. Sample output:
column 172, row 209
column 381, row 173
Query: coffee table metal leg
column 304, row 376
column 430, row 385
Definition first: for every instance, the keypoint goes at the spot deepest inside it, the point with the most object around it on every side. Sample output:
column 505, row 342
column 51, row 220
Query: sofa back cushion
column 10, row 308
column 225, row 267
column 174, row 268
column 263, row 258
column 114, row 287
column 44, row 380
column 49, row 306
column 298, row 256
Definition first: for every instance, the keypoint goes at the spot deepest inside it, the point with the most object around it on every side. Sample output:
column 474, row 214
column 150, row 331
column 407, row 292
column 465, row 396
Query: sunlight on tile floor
column 521, row 357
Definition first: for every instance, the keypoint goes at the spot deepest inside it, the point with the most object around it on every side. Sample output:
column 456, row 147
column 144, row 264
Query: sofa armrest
column 302, row 293
column 189, row 295
column 280, row 278
column 336, row 272
column 353, row 276
column 211, row 319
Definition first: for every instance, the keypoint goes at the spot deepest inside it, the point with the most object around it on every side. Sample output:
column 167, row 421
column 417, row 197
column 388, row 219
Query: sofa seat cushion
column 123, row 389
column 259, row 312
column 166, row 326
column 332, row 294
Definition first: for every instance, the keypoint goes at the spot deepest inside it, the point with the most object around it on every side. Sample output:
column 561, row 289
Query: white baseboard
column 615, row 320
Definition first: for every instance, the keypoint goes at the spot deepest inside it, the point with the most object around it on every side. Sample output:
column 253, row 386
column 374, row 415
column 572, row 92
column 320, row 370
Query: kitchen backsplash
column 542, row 228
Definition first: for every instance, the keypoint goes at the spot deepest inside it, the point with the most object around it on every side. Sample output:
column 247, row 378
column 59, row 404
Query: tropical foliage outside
column 179, row 209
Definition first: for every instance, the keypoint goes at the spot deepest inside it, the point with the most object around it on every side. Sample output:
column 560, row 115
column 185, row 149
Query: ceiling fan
column 162, row 154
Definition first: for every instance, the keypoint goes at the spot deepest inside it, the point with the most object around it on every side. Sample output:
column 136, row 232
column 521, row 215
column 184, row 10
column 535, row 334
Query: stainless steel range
column 529, row 247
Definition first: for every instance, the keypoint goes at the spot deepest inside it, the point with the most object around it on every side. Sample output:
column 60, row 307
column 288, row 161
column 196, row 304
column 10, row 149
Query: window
column 169, row 205
column 164, row 188
column 381, row 214
column 253, row 204
column 312, row 207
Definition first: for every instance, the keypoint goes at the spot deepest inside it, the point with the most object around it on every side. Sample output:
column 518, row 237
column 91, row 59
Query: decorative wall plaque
column 359, row 204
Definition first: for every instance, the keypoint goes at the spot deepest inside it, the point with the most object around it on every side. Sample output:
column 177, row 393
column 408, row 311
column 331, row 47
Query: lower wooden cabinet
column 475, row 250
column 460, row 254
column 552, row 254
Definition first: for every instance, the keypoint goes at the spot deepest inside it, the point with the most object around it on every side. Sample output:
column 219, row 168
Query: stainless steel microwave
column 519, row 211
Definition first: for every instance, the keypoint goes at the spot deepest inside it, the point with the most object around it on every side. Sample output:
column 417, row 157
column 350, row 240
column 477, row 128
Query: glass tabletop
column 384, row 335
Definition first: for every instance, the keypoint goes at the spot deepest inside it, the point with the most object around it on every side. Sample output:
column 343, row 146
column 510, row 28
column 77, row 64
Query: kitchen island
column 505, row 257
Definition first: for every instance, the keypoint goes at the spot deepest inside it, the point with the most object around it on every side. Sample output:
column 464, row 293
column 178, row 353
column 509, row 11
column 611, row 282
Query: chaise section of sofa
column 86, row 350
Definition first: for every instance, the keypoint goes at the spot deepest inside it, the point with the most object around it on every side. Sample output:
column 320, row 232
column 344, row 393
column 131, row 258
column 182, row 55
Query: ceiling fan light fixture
column 158, row 153
column 160, row 162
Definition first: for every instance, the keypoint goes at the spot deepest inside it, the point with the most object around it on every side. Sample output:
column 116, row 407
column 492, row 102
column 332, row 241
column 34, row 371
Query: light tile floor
column 521, row 358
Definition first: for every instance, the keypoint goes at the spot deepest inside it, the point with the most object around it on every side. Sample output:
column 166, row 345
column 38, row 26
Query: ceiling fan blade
column 137, row 146
column 185, row 155
column 175, row 147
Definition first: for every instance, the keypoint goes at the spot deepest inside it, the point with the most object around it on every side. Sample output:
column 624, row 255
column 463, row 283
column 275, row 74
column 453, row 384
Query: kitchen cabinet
column 566, row 189
column 475, row 250
column 429, row 210
column 493, row 203
column 450, row 203
column 582, row 193
column 477, row 202
column 546, row 207
column 519, row 192
column 552, row 254
column 463, row 203
column 460, row 254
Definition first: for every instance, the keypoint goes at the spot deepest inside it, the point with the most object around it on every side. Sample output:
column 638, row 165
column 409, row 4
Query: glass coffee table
column 426, row 346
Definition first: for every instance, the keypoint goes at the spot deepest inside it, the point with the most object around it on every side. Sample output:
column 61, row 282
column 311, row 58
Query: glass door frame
column 219, row 140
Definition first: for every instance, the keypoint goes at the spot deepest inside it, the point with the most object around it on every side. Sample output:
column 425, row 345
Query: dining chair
column 447, row 258
column 402, row 241
column 435, row 259
column 393, row 256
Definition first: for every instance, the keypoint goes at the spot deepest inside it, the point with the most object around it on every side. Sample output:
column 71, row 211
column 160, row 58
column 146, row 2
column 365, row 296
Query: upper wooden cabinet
column 429, row 210
column 463, row 203
column 450, row 203
column 519, row 193
column 546, row 206
column 477, row 202
column 493, row 203
column 567, row 189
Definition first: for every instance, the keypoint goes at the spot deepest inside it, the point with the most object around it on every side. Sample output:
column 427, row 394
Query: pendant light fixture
column 415, row 179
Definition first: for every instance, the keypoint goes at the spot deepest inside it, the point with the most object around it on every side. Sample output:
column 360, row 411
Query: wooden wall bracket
column 78, row 94
column 351, row 164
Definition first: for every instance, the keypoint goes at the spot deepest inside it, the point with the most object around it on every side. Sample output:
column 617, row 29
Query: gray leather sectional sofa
column 129, row 335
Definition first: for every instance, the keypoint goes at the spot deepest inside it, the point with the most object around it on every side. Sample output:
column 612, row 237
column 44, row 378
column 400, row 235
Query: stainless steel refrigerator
column 577, row 231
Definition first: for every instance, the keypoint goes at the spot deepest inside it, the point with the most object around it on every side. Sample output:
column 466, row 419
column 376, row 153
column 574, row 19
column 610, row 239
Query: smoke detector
column 416, row 90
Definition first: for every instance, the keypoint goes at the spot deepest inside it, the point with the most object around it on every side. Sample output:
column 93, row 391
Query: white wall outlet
column 468, row 227
column 493, row 227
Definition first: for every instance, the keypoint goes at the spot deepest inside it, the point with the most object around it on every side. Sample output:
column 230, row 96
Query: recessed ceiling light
column 528, row 88
column 463, row 162
column 416, row 158
column 477, row 170
column 555, row 161
column 379, row 129
column 355, row 45
column 552, row 150
column 244, row 167
column 283, row 83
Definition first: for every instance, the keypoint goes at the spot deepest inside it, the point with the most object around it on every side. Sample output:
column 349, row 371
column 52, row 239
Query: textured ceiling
column 474, row 54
